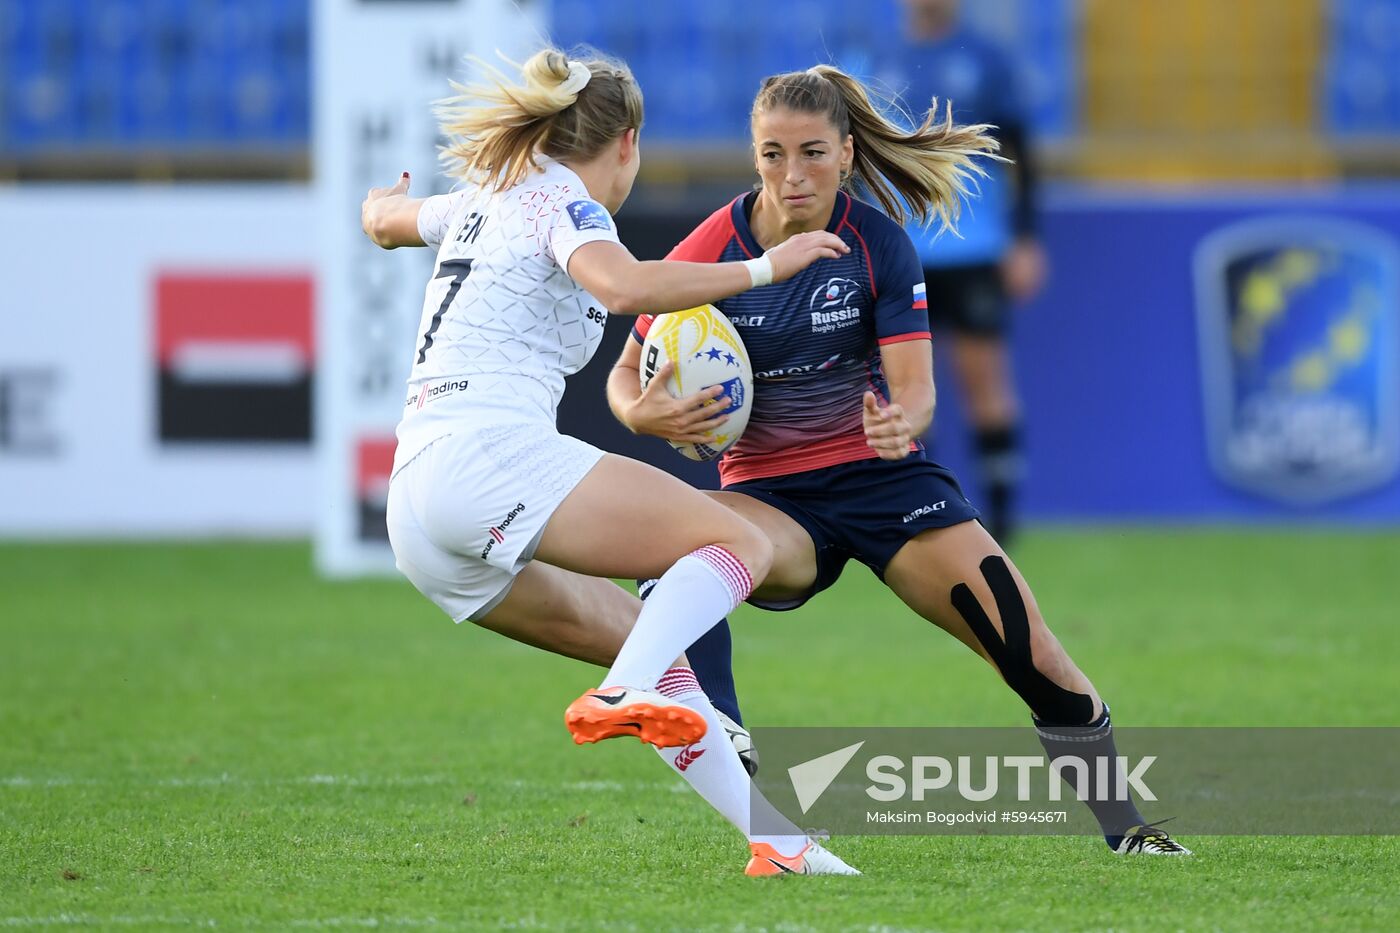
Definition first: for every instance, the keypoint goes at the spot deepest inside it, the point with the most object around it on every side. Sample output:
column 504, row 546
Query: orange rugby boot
column 612, row 711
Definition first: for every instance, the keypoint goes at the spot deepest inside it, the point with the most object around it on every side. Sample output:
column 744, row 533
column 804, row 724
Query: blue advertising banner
column 1222, row 357
column 1297, row 327
column 1194, row 358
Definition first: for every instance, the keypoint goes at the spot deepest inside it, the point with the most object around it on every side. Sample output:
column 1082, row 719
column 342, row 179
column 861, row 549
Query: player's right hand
column 370, row 210
column 398, row 187
column 887, row 430
column 800, row 250
column 689, row 420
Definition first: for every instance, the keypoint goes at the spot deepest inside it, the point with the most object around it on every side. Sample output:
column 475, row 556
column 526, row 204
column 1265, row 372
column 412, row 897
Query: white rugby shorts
column 467, row 513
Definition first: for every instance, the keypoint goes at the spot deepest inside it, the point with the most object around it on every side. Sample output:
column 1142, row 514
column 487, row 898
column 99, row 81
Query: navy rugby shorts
column 866, row 510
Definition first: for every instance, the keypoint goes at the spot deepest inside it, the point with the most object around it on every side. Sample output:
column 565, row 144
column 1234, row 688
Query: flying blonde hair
column 494, row 128
column 932, row 167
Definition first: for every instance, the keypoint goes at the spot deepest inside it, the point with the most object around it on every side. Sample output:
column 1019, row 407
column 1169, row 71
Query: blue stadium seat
column 172, row 75
column 720, row 55
column 184, row 75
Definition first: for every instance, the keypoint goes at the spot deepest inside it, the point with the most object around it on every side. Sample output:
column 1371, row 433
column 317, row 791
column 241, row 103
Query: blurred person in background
column 996, row 260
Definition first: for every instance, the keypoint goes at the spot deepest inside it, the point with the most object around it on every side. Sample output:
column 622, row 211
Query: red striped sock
column 689, row 599
column 729, row 568
column 678, row 682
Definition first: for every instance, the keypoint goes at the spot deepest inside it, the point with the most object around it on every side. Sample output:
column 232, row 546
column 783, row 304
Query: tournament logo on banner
column 234, row 355
column 1299, row 320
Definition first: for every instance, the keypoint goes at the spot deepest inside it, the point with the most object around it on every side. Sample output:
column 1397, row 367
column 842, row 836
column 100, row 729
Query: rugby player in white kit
column 497, row 517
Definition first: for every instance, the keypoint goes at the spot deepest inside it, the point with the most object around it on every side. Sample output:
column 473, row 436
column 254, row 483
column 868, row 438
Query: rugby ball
column 706, row 350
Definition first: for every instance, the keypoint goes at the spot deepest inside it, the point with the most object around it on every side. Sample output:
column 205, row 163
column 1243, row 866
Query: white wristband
column 760, row 271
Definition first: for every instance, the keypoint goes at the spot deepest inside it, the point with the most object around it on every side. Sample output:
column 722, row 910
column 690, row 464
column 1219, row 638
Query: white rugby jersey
column 502, row 323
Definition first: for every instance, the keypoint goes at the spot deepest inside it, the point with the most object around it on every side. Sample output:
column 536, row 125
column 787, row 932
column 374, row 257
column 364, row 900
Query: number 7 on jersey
column 458, row 269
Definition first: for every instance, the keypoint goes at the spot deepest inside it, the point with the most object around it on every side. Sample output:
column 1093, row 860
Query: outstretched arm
column 628, row 286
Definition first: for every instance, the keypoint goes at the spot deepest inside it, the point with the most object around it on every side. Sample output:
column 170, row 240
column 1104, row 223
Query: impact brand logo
column 925, row 510
column 589, row 215
column 1299, row 329
column 498, row 532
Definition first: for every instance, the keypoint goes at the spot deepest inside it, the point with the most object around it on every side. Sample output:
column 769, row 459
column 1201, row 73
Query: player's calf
column 1065, row 719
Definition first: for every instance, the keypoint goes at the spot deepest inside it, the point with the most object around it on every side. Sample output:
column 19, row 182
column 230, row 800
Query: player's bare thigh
column 629, row 519
column 794, row 569
column 927, row 568
column 580, row 617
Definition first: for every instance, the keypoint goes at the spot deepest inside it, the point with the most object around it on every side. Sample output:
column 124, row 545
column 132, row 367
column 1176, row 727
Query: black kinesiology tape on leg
column 1048, row 700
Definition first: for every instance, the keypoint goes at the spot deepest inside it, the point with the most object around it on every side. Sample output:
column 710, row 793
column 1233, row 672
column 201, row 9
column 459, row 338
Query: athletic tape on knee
column 1048, row 701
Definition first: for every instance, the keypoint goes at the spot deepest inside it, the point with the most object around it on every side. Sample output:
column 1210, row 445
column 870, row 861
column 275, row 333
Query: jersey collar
column 742, row 207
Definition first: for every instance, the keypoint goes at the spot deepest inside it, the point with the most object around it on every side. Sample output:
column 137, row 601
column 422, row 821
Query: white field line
column 334, row 780
column 230, row 780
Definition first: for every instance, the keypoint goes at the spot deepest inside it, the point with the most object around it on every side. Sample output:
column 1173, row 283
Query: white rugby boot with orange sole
column 812, row 860
column 609, row 712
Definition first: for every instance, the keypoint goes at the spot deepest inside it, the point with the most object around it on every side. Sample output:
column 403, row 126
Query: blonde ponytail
column 494, row 128
column 932, row 168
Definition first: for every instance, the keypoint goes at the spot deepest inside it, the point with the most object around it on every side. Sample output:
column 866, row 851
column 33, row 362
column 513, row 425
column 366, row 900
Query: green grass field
column 206, row 735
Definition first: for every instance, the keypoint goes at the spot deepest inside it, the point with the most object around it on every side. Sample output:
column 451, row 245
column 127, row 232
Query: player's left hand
column 886, row 429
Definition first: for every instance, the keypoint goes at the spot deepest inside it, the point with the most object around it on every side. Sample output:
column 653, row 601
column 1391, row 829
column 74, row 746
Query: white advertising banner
column 157, row 348
column 379, row 65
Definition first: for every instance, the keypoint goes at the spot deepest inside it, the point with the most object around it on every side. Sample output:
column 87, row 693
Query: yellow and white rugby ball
column 707, row 351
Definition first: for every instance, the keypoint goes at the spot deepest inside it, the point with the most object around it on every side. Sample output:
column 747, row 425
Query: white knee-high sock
column 712, row 767
column 700, row 589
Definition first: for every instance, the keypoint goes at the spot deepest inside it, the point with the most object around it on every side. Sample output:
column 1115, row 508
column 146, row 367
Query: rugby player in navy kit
column 830, row 467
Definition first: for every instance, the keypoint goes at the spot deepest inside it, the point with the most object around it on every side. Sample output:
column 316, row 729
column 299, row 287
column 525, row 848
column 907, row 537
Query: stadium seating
column 673, row 51
column 180, row 77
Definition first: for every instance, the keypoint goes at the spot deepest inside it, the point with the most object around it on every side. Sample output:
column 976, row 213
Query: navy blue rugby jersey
column 815, row 339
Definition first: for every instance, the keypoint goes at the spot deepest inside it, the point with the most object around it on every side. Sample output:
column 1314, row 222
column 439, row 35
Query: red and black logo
column 374, row 464
column 687, row 757
column 234, row 356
